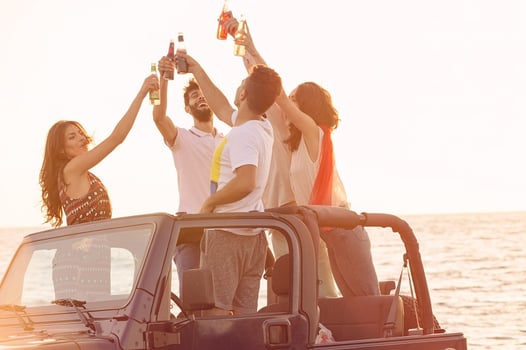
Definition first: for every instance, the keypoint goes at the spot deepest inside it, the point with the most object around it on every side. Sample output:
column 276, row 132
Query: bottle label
column 171, row 49
column 182, row 65
column 239, row 50
column 155, row 98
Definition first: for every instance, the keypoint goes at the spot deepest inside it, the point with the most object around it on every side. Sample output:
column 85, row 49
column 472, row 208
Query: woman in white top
column 312, row 118
column 315, row 180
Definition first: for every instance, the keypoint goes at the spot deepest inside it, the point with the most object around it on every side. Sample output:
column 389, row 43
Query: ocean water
column 476, row 272
column 475, row 266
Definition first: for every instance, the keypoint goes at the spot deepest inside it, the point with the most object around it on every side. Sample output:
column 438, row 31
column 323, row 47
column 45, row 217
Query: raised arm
column 252, row 57
column 287, row 109
column 82, row 163
column 164, row 124
column 300, row 120
column 216, row 99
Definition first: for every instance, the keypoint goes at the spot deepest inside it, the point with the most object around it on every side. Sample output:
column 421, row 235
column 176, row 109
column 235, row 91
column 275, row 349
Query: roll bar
column 328, row 216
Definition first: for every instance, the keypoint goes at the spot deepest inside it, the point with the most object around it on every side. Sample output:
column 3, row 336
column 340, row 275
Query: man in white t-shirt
column 192, row 151
column 239, row 175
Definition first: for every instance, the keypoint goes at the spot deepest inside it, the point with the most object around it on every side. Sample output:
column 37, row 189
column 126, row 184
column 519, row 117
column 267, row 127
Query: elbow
column 119, row 140
column 247, row 188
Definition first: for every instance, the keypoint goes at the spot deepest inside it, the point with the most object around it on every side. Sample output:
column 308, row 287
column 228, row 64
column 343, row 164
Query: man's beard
column 201, row 114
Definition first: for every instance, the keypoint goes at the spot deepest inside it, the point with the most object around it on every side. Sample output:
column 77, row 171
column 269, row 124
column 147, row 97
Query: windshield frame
column 30, row 279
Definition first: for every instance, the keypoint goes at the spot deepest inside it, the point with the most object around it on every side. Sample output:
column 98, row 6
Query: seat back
column 198, row 290
column 360, row 317
column 348, row 318
column 280, row 285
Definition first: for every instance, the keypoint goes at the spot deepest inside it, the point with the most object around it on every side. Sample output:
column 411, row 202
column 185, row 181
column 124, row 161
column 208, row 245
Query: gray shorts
column 237, row 263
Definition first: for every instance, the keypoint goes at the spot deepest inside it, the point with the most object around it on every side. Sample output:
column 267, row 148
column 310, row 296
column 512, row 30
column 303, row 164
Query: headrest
column 281, row 276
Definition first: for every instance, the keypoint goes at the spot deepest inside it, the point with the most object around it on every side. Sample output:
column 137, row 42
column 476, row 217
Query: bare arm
column 216, row 99
column 240, row 186
column 253, row 57
column 302, row 121
column 293, row 114
column 79, row 165
column 164, row 124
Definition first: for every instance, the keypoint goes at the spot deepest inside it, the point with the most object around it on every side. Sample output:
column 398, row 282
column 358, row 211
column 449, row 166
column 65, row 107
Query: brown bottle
column 169, row 75
column 182, row 65
column 223, row 17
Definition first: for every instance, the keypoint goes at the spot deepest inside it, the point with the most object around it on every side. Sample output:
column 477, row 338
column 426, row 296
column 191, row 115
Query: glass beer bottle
column 225, row 15
column 155, row 95
column 182, row 65
column 240, row 37
column 169, row 75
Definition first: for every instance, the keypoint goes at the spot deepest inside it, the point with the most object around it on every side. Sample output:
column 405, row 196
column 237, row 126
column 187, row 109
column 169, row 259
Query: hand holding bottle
column 166, row 65
column 169, row 74
column 222, row 29
column 231, row 24
column 191, row 64
column 150, row 83
column 241, row 34
column 240, row 37
column 180, row 61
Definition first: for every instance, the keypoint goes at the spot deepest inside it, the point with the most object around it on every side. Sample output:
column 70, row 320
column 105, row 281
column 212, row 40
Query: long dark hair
column 316, row 102
column 51, row 171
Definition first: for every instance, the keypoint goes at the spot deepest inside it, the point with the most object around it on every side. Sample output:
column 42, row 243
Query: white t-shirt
column 192, row 153
column 303, row 172
column 247, row 144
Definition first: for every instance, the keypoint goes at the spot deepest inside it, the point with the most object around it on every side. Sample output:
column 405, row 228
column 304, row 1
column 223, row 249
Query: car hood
column 56, row 340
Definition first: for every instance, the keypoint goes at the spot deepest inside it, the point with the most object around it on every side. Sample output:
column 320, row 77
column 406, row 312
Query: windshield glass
column 91, row 267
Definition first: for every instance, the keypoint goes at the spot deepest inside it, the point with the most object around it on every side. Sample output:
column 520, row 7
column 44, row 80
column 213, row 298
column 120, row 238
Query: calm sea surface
column 475, row 265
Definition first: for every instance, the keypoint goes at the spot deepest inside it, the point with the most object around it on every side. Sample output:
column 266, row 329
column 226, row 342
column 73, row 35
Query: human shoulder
column 253, row 133
column 264, row 123
column 92, row 176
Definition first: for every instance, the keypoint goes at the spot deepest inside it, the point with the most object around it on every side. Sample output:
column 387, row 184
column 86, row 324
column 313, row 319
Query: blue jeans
column 186, row 257
column 351, row 261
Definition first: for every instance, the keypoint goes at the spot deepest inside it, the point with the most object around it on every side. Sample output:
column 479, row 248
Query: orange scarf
column 322, row 190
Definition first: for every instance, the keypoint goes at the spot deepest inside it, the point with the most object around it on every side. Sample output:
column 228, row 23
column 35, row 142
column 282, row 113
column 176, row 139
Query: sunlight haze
column 431, row 94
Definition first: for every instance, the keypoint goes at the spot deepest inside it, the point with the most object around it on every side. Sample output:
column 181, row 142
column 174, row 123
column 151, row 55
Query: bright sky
column 431, row 94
